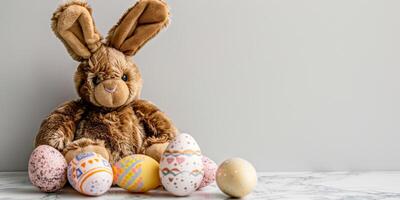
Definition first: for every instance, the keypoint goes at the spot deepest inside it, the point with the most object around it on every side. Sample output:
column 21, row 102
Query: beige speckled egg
column 236, row 177
column 47, row 169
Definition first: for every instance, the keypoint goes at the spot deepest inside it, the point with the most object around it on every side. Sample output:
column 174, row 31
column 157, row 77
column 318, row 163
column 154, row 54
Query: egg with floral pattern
column 90, row 174
column 181, row 167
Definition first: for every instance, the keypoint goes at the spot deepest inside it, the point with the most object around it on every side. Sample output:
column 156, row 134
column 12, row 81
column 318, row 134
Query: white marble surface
column 293, row 185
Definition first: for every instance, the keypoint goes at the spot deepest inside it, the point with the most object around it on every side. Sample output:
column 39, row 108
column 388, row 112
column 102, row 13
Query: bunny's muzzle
column 111, row 93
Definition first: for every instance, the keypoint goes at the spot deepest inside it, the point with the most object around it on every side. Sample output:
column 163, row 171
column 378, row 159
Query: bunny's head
column 106, row 76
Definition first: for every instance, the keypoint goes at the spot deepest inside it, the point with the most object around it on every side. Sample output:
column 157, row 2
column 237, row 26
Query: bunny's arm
column 158, row 128
column 58, row 129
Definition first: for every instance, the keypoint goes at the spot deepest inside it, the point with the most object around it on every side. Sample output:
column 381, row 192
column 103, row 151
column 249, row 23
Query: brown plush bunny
column 109, row 119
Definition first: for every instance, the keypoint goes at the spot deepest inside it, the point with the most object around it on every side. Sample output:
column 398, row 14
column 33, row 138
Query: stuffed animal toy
column 109, row 119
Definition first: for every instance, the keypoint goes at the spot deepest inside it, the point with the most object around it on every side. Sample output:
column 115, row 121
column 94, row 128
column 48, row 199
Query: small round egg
column 47, row 169
column 236, row 177
column 137, row 173
column 210, row 168
column 90, row 174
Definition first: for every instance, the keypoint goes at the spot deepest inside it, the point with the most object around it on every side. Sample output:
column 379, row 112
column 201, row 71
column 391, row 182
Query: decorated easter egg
column 181, row 168
column 236, row 177
column 137, row 173
column 90, row 174
column 210, row 168
column 47, row 169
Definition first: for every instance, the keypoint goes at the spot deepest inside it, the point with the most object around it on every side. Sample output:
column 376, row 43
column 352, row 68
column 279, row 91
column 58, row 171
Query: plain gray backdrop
column 288, row 85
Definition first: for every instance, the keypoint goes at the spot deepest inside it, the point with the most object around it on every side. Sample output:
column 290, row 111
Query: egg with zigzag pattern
column 181, row 167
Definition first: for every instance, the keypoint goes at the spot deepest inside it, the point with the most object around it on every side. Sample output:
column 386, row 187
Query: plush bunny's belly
column 121, row 131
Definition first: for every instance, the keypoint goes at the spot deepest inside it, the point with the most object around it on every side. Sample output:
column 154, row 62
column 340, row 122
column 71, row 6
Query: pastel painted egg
column 236, row 177
column 47, row 169
column 181, row 167
column 90, row 174
column 210, row 169
column 137, row 173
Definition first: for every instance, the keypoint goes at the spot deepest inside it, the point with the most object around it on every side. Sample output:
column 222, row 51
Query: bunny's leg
column 85, row 145
column 159, row 129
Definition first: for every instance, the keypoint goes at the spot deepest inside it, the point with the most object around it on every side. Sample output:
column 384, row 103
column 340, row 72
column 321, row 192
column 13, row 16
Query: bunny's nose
column 110, row 90
column 110, row 86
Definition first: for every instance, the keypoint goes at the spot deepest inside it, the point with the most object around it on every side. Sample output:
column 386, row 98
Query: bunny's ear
column 73, row 24
column 138, row 25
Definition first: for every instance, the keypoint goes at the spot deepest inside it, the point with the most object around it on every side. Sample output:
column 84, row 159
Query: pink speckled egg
column 47, row 169
column 210, row 168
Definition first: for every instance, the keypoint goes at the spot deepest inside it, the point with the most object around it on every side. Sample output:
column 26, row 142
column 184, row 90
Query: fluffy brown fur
column 109, row 119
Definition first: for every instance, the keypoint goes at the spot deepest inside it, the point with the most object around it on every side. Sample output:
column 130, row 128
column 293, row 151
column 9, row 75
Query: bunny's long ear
column 138, row 25
column 73, row 24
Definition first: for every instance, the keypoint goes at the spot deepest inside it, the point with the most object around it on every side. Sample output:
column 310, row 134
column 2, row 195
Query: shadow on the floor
column 114, row 193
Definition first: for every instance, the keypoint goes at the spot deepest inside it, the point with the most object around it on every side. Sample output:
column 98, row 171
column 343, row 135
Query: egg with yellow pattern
column 137, row 173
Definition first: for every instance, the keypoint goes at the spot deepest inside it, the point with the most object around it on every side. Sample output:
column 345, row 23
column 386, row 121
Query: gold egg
column 236, row 177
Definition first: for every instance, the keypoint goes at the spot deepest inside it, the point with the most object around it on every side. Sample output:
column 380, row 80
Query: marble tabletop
column 274, row 186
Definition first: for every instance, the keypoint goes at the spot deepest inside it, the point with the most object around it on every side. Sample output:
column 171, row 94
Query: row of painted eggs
column 182, row 170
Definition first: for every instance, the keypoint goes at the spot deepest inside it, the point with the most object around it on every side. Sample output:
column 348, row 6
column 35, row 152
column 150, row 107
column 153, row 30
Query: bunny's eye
column 96, row 80
column 124, row 77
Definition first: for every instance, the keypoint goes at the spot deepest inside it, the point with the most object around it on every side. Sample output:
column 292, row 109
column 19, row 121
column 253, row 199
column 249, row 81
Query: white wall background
column 288, row 85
